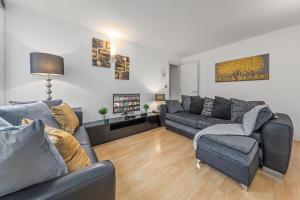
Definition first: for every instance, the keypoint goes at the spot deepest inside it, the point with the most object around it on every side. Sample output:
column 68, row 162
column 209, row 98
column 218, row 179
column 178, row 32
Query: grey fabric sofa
column 274, row 138
column 95, row 182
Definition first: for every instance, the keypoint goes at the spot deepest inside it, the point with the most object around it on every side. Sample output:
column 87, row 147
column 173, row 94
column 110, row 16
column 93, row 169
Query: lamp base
column 48, row 88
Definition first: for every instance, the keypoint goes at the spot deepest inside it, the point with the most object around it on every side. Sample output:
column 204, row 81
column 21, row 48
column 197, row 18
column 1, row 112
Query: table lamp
column 46, row 65
column 159, row 98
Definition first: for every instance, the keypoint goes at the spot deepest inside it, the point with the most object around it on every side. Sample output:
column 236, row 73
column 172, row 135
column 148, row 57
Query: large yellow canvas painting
column 244, row 69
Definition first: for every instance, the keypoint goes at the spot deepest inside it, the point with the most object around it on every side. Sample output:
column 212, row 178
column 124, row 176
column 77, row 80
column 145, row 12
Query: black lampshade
column 46, row 64
column 159, row 97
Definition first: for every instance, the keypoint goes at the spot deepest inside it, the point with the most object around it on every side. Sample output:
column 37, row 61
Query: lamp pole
column 48, row 88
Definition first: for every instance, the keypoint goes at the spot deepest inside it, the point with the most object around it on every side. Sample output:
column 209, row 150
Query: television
column 126, row 103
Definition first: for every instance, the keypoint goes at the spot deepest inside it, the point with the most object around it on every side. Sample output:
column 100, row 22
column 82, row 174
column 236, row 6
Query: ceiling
column 182, row 27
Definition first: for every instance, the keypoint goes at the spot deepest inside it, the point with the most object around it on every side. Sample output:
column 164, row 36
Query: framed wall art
column 101, row 53
column 244, row 69
column 122, row 67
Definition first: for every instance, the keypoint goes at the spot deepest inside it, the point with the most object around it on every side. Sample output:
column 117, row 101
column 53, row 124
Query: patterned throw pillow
column 207, row 107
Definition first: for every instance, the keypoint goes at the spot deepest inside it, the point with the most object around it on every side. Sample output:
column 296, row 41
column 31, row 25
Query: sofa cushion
column 184, row 118
column 195, row 98
column 207, row 107
column 252, row 118
column 240, row 107
column 264, row 115
column 204, row 122
column 196, row 106
column 49, row 103
column 186, row 101
column 174, row 106
column 222, row 108
column 235, row 156
column 241, row 144
column 69, row 148
column 182, row 129
column 66, row 117
column 14, row 114
column 27, row 157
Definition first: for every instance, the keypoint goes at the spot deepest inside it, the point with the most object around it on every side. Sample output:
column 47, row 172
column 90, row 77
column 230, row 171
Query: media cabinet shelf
column 103, row 131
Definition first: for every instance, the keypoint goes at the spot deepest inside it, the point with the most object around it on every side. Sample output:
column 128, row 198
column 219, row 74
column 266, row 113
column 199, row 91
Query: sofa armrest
column 78, row 112
column 277, row 140
column 163, row 113
column 96, row 181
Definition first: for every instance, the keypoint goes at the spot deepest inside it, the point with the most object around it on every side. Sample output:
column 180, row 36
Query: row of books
column 123, row 109
column 125, row 103
column 126, row 98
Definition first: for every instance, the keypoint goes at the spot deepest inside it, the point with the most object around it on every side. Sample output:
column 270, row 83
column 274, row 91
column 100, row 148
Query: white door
column 189, row 74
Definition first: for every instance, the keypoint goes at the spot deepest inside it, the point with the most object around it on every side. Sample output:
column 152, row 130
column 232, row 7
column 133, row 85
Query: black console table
column 103, row 131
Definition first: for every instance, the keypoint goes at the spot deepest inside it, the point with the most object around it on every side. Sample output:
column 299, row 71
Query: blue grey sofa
column 274, row 138
column 95, row 182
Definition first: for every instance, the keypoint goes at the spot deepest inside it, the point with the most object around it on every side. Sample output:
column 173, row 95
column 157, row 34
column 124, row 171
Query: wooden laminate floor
column 160, row 165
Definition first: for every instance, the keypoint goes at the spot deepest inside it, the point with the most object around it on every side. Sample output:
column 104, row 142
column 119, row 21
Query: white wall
column 2, row 46
column 281, row 91
column 83, row 85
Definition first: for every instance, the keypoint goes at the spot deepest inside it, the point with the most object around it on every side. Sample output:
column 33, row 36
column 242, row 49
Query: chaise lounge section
column 273, row 141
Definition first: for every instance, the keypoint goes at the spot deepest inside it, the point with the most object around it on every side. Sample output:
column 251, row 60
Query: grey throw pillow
column 14, row 114
column 50, row 103
column 196, row 105
column 207, row 107
column 249, row 119
column 27, row 157
column 174, row 106
column 240, row 107
column 264, row 115
column 4, row 123
column 186, row 102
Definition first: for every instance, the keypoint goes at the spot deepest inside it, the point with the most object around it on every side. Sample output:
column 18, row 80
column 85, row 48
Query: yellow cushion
column 73, row 154
column 66, row 117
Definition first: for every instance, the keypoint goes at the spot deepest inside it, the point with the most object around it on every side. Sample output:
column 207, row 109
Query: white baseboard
column 297, row 137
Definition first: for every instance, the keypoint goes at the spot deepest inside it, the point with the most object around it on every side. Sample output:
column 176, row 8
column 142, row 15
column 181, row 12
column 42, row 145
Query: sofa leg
column 273, row 173
column 198, row 163
column 244, row 187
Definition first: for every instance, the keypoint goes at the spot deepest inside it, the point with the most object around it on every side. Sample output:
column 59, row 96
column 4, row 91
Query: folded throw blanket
column 245, row 129
column 220, row 129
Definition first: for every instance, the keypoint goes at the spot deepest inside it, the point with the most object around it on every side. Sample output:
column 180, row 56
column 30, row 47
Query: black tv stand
column 103, row 131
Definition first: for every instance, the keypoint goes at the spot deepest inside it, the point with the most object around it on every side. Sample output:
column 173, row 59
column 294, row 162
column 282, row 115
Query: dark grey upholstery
column 277, row 139
column 174, row 106
column 205, row 122
column 195, row 121
column 163, row 114
column 274, row 138
column 184, row 130
column 240, row 144
column 97, row 181
column 235, row 156
column 184, row 118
